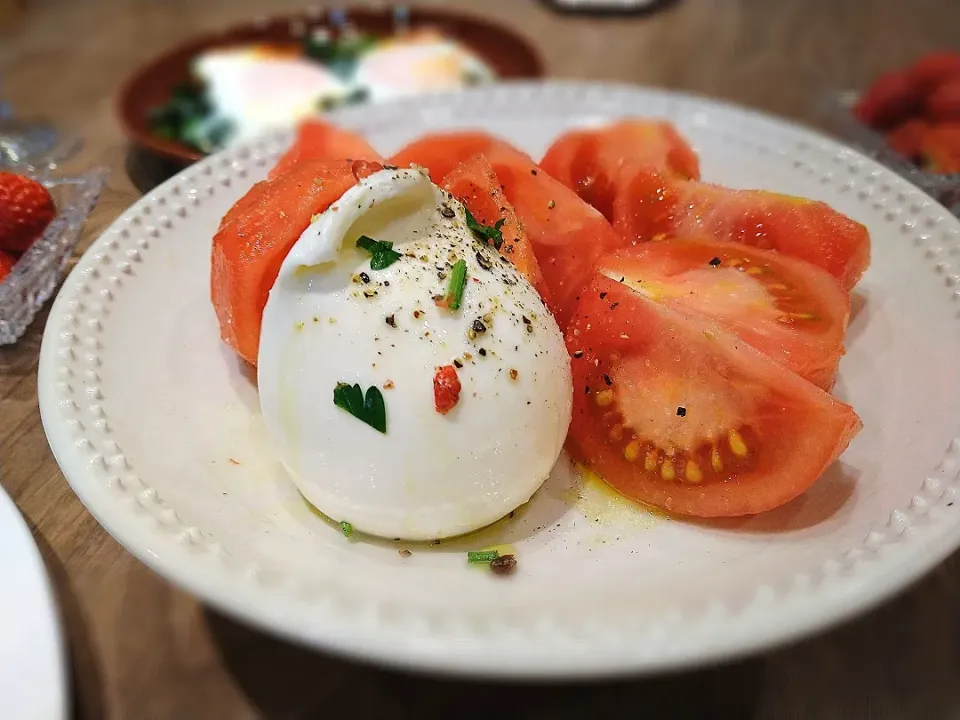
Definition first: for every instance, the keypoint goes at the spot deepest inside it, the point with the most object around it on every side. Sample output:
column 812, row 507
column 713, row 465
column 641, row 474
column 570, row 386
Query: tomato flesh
column 475, row 184
column 568, row 235
column 255, row 236
column 440, row 153
column 790, row 310
column 595, row 162
column 318, row 140
column 672, row 410
column 653, row 205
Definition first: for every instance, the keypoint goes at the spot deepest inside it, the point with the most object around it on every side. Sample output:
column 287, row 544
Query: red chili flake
column 446, row 389
column 233, row 462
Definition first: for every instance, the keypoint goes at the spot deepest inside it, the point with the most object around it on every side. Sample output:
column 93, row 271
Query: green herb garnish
column 485, row 232
column 369, row 409
column 482, row 556
column 189, row 117
column 339, row 54
column 382, row 254
column 346, row 528
column 354, row 97
column 458, row 280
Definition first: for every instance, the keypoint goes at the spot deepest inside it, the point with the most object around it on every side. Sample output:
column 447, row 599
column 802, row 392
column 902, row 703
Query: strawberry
column 934, row 69
column 907, row 139
column 941, row 147
column 26, row 209
column 891, row 99
column 6, row 265
column 944, row 102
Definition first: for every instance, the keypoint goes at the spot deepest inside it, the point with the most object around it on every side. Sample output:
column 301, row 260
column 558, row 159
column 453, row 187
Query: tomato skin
column 255, row 236
column 575, row 160
column 642, row 350
column 475, row 184
column 790, row 310
column 594, row 163
column 318, row 140
column 446, row 389
column 440, row 153
column 568, row 235
column 653, row 205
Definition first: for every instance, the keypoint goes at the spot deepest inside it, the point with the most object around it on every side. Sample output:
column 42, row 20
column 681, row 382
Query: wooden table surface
column 142, row 649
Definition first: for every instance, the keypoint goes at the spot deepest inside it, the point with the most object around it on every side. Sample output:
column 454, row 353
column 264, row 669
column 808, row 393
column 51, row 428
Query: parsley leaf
column 369, row 409
column 458, row 281
column 485, row 232
column 382, row 254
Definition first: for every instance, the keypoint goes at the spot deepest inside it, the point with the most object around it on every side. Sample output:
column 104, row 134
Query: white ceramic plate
column 158, row 431
column 32, row 665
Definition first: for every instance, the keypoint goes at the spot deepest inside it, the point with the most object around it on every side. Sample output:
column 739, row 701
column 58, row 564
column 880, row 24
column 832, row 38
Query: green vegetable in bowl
column 339, row 54
column 188, row 117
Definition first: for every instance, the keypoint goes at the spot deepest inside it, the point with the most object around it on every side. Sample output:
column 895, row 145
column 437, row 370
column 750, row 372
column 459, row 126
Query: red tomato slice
column 790, row 310
column 567, row 234
column 255, row 236
column 440, row 153
column 317, row 140
column 593, row 163
column 674, row 411
column 476, row 185
column 652, row 205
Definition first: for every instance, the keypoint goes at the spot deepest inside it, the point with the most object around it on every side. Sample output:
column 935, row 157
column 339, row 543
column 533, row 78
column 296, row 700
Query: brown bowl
column 508, row 53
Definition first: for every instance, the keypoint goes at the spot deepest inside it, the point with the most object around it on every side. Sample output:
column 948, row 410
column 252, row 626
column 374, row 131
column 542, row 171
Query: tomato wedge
column 595, row 162
column 790, row 310
column 476, row 185
column 674, row 411
column 651, row 205
column 318, row 140
column 567, row 234
column 440, row 153
column 257, row 233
